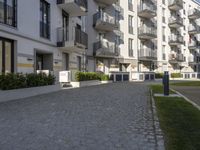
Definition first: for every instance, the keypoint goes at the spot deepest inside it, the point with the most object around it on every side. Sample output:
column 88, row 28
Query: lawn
column 186, row 83
column 180, row 122
column 158, row 88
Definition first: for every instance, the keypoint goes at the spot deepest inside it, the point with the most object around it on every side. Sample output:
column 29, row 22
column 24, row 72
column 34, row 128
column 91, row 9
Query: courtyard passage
column 115, row 116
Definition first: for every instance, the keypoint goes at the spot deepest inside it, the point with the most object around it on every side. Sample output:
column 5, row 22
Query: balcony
column 106, row 49
column 147, row 10
column 193, row 45
column 194, row 14
column 176, row 58
column 193, row 60
column 193, row 29
column 73, row 7
column 72, row 40
column 104, row 22
column 175, row 5
column 147, row 54
column 175, row 40
column 106, row 2
column 175, row 22
column 147, row 33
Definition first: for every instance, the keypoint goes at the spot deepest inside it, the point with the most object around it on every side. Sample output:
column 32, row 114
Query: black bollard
column 166, row 83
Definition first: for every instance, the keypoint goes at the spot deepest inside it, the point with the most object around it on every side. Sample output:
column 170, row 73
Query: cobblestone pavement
column 193, row 93
column 108, row 117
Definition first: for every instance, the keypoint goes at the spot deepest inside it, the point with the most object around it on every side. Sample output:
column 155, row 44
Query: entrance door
column 6, row 56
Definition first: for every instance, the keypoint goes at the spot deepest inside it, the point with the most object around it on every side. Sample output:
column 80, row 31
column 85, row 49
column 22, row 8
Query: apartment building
column 153, row 36
column 136, row 36
column 42, row 35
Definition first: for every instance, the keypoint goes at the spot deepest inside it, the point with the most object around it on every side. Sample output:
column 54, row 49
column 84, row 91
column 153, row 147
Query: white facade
column 161, row 33
column 28, row 42
column 124, row 35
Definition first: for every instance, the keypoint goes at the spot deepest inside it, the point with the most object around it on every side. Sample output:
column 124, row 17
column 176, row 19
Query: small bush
column 159, row 75
column 16, row 81
column 176, row 75
column 104, row 77
column 87, row 76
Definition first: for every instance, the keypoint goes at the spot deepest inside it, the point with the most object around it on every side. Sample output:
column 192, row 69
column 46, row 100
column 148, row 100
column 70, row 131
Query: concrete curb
column 187, row 99
column 158, row 132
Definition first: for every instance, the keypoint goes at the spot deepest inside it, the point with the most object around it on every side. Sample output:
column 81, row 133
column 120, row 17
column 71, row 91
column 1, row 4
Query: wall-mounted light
column 56, row 62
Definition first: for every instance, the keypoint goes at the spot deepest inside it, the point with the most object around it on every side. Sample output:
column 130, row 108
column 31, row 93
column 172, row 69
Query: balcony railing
column 193, row 14
column 147, row 54
column 147, row 32
column 147, row 10
column 76, row 36
column 175, row 40
column 103, row 21
column 176, row 58
column 193, row 59
column 106, row 49
column 193, row 29
column 175, row 4
column 107, row 2
column 175, row 21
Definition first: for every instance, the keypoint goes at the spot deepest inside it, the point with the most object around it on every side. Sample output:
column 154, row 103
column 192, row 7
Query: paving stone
column 108, row 117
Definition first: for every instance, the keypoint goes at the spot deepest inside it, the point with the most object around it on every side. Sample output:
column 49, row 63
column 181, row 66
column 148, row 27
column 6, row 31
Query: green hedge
column 176, row 75
column 159, row 75
column 17, row 81
column 87, row 76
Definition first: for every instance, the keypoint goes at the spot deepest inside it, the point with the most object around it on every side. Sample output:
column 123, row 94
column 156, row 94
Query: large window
column 44, row 19
column 8, row 12
column 130, row 47
column 130, row 24
column 6, row 56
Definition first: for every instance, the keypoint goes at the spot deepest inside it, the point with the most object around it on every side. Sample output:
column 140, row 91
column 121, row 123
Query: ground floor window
column 6, row 56
column 44, row 61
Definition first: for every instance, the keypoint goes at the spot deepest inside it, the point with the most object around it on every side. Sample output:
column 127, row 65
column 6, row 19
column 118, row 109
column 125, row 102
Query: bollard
column 166, row 83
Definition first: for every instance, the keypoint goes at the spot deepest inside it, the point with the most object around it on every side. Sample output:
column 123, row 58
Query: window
column 8, row 12
column 44, row 19
column 79, row 63
column 163, row 33
column 130, row 24
column 130, row 47
column 163, row 1
column 130, row 5
column 6, row 56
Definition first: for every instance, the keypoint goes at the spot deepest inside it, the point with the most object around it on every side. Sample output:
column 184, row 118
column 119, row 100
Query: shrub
column 16, row 81
column 104, row 77
column 176, row 75
column 159, row 75
column 87, row 76
column 12, row 81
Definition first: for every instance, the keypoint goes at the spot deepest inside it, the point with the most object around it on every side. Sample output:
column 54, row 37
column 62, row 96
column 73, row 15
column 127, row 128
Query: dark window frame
column 3, row 54
column 45, row 30
column 6, row 15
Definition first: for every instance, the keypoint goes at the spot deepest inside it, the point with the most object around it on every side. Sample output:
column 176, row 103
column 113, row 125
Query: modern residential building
column 42, row 35
column 156, row 36
column 137, row 36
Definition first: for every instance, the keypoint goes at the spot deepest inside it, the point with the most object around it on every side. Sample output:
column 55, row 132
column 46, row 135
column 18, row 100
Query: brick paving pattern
column 108, row 117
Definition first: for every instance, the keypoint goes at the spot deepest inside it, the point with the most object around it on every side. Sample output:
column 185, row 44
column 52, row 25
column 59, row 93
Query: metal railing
column 104, row 17
column 193, row 12
column 76, row 35
column 147, row 30
column 147, row 6
column 176, row 57
column 107, row 47
column 148, row 52
column 176, row 38
column 175, row 19
column 81, row 3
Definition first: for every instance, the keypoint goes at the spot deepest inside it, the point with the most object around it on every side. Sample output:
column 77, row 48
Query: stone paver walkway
column 108, row 117
column 193, row 93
